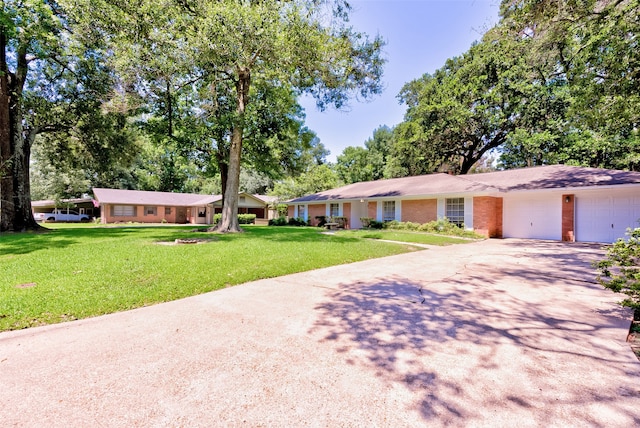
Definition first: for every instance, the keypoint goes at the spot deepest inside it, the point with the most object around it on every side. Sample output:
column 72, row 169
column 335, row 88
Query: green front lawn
column 78, row 271
column 404, row 236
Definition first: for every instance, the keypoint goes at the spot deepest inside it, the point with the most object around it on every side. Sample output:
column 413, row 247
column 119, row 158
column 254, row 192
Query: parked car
column 62, row 215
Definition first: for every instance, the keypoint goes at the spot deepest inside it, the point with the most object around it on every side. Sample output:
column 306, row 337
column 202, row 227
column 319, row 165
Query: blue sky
column 420, row 36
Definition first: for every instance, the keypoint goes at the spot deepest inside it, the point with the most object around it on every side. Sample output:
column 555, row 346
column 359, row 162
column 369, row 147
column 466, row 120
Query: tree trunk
column 23, row 215
column 16, row 199
column 6, row 181
column 223, row 167
column 229, row 220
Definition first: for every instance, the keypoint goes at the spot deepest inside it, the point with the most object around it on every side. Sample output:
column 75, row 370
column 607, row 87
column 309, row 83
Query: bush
column 297, row 221
column 322, row 220
column 246, row 218
column 441, row 226
column 342, row 221
column 620, row 271
column 366, row 221
column 242, row 218
column 280, row 221
column 374, row 224
column 282, row 209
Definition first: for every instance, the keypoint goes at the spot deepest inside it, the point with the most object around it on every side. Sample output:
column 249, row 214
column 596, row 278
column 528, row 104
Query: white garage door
column 532, row 216
column 605, row 216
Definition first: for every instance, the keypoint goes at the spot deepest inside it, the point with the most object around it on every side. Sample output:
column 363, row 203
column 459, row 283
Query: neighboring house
column 554, row 202
column 159, row 207
column 81, row 205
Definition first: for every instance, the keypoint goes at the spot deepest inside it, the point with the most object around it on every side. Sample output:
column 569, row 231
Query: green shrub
column 246, row 218
column 620, row 271
column 374, row 224
column 366, row 221
column 282, row 209
column 322, row 220
column 280, row 221
column 242, row 218
column 297, row 221
column 342, row 221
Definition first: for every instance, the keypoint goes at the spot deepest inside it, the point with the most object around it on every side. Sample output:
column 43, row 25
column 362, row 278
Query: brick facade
column 316, row 210
column 346, row 212
column 420, row 211
column 487, row 216
column 568, row 218
column 140, row 216
column 372, row 210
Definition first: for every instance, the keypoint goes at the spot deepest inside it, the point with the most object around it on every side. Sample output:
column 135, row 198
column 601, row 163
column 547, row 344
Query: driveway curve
column 492, row 333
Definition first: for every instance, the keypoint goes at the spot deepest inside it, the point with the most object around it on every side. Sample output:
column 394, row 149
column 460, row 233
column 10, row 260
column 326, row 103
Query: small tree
column 620, row 271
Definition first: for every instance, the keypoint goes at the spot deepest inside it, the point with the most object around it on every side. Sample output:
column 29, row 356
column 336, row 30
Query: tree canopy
column 555, row 81
column 54, row 81
column 229, row 53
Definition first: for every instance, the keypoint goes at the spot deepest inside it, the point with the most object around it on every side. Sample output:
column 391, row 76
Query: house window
column 167, row 210
column 301, row 211
column 149, row 210
column 455, row 211
column 123, row 210
column 388, row 210
column 334, row 210
column 202, row 212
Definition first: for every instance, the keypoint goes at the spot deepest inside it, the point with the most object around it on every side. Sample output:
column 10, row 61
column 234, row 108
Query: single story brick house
column 117, row 205
column 555, row 202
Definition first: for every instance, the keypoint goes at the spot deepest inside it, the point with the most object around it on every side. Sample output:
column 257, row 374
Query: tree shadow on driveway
column 474, row 347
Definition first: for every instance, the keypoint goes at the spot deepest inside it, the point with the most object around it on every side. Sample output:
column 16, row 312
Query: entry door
column 533, row 216
column 181, row 215
column 605, row 216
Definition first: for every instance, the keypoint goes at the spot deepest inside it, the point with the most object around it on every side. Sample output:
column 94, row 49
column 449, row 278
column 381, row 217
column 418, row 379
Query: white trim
column 441, row 208
column 468, row 213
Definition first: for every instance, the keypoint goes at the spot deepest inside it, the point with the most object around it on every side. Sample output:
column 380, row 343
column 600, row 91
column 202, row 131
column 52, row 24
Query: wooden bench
column 331, row 226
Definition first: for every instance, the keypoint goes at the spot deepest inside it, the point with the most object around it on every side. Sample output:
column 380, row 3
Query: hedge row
column 242, row 218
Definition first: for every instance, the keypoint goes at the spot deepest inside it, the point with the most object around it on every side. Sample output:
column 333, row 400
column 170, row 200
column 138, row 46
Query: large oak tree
column 214, row 45
column 52, row 80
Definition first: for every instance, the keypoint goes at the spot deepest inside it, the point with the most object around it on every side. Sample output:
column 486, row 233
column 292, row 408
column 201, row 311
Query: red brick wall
column 372, row 210
column 107, row 217
column 420, row 211
column 346, row 212
column 290, row 211
column 316, row 210
column 487, row 216
column 568, row 216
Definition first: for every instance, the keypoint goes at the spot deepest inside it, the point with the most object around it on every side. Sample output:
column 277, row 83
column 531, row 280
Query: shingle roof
column 554, row 177
column 431, row 184
column 541, row 177
column 141, row 197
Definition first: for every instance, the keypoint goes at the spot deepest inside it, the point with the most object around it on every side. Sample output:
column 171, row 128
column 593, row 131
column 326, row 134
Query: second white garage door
column 604, row 216
column 532, row 216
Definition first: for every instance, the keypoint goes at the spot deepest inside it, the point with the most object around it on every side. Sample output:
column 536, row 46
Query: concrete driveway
column 494, row 333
